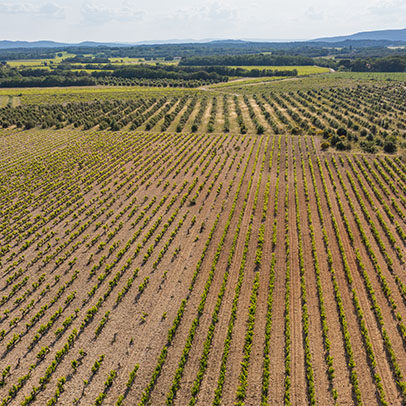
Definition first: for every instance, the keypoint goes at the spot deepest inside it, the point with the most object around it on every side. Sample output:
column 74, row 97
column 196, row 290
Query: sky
column 139, row 20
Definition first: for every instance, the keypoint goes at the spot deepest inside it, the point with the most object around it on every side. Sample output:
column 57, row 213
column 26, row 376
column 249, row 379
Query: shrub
column 325, row 145
column 389, row 145
column 341, row 131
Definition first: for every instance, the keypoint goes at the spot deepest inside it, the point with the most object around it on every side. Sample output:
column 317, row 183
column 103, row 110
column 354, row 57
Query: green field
column 3, row 101
column 130, row 61
column 239, row 83
column 236, row 83
column 30, row 63
column 9, row 100
column 301, row 70
column 373, row 76
column 37, row 63
column 331, row 80
column 79, row 94
column 89, row 70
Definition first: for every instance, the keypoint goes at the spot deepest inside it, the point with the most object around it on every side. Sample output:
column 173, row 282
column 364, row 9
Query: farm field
column 301, row 70
column 202, row 204
column 40, row 62
column 245, row 81
column 338, row 80
column 212, row 246
column 162, row 268
column 45, row 62
column 61, row 95
column 4, row 101
column 365, row 117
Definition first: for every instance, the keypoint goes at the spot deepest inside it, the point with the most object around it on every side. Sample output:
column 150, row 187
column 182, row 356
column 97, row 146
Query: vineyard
column 203, row 247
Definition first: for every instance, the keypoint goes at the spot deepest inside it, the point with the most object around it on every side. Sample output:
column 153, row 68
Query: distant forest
column 249, row 60
column 347, row 48
column 369, row 64
column 198, row 63
column 386, row 64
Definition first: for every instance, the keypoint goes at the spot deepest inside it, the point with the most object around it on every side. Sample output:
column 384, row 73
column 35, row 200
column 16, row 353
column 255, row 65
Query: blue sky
column 136, row 20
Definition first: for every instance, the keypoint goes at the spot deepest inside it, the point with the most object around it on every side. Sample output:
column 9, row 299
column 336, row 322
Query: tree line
column 385, row 64
column 247, row 60
column 68, row 75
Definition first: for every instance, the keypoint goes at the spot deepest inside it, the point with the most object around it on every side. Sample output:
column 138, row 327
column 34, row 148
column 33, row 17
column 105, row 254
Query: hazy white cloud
column 137, row 20
column 211, row 20
column 214, row 12
column 96, row 13
column 314, row 14
column 199, row 16
column 47, row 10
column 387, row 10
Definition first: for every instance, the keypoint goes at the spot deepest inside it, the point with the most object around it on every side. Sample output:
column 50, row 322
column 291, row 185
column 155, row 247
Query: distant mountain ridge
column 381, row 37
column 385, row 35
column 5, row 44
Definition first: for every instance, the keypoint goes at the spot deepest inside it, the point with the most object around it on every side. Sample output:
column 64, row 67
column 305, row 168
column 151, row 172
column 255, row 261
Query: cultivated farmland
column 367, row 118
column 204, row 249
